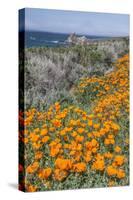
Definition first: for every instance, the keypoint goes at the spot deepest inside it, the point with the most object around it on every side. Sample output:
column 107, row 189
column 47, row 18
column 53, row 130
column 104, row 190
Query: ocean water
column 40, row 39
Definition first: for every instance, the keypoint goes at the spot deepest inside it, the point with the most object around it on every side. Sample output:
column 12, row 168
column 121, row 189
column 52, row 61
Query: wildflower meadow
column 79, row 143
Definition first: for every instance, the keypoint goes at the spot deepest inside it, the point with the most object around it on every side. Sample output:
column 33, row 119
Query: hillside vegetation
column 51, row 73
column 76, row 119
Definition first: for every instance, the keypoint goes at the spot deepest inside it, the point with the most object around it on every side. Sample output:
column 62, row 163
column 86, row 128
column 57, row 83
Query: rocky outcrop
column 73, row 39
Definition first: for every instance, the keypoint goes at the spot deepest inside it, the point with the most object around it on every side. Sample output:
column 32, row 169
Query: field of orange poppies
column 79, row 146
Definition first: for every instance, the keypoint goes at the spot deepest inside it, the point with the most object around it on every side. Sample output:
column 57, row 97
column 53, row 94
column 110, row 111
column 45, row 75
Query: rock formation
column 73, row 39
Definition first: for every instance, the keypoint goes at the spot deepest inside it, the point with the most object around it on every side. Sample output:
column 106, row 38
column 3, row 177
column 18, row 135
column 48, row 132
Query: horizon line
column 42, row 31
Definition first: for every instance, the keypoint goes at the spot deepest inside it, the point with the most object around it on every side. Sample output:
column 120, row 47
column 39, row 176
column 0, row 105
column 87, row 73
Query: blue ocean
column 41, row 39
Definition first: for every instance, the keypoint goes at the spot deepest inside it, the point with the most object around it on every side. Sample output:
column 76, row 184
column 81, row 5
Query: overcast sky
column 88, row 23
